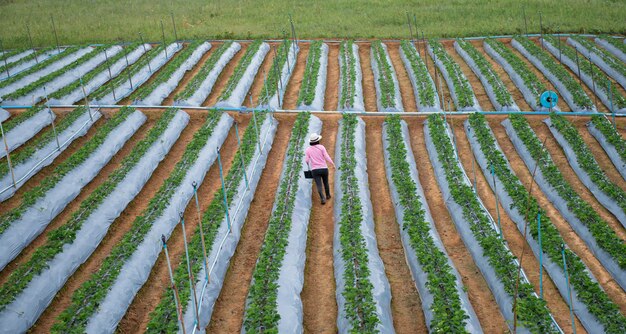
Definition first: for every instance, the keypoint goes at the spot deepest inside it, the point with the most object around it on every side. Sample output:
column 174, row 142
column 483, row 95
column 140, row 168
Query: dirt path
column 562, row 105
column 440, row 82
column 515, row 240
column 290, row 101
column 259, row 80
column 138, row 315
column 318, row 293
column 66, row 214
column 404, row 82
column 573, row 241
column 169, row 100
column 229, row 308
column 406, row 307
column 478, row 292
column 477, row 86
column 510, row 86
column 331, row 97
column 222, row 79
column 120, row 227
column 369, row 88
column 561, row 162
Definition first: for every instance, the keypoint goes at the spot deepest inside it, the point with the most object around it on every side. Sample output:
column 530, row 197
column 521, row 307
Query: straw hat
column 314, row 138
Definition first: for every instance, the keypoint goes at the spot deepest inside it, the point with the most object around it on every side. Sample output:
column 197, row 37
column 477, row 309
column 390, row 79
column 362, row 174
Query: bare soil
column 169, row 100
column 290, row 101
column 404, row 82
column 331, row 98
column 225, row 74
column 259, row 80
column 369, row 89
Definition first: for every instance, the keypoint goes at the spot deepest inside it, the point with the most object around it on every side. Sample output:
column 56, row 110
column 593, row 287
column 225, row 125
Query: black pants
column 320, row 175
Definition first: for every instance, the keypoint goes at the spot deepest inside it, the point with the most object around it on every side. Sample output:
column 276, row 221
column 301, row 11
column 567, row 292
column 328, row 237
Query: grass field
column 82, row 21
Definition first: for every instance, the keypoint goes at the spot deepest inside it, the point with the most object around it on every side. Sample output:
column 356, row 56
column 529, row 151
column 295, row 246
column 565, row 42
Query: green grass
column 112, row 21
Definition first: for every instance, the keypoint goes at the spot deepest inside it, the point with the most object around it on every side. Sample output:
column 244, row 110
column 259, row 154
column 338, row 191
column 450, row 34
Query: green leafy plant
column 273, row 80
column 606, row 56
column 348, row 75
column 612, row 136
column 462, row 88
column 35, row 55
column 40, row 66
column 241, row 68
column 385, row 77
column 309, row 83
column 203, row 73
column 425, row 85
column 20, row 118
column 616, row 42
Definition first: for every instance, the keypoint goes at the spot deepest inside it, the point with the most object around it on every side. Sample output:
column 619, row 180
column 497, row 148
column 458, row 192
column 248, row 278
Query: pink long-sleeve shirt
column 316, row 156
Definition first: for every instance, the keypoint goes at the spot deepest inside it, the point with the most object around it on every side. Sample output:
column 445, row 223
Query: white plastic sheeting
column 24, row 311
column 420, row 105
column 60, row 63
column 561, row 204
column 245, row 82
column 320, row 87
column 164, row 89
column 397, row 100
column 14, row 58
column 381, row 291
column 46, row 154
column 136, row 270
column 4, row 115
column 483, row 79
column 207, row 85
column 276, row 101
column 609, row 148
column 554, row 269
column 141, row 76
column 17, row 68
column 221, row 255
column 609, row 47
column 102, row 77
column 35, row 218
column 420, row 276
column 596, row 59
column 358, row 104
column 24, row 131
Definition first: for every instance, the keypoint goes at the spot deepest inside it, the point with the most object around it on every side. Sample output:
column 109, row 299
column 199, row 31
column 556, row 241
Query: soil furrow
column 259, row 80
column 331, row 97
column 370, row 97
column 514, row 239
column 224, row 76
column 147, row 299
column 120, row 226
column 404, row 82
column 478, row 291
column 406, row 307
column 290, row 101
column 318, row 293
column 169, row 100
column 229, row 308
column 573, row 241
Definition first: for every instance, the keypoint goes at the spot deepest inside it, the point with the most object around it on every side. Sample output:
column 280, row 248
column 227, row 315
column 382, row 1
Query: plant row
column 615, row 42
column 129, row 71
column 603, row 234
column 93, row 73
column 600, row 80
column 18, row 119
column 262, row 307
column 487, row 72
column 203, row 73
column 448, row 313
column 385, row 76
column 10, row 53
column 348, row 75
column 610, row 133
column 309, row 83
column 31, row 196
column 86, row 299
column 532, row 311
column 273, row 82
column 166, row 72
column 531, row 81
column 41, row 65
column 164, row 318
column 33, row 56
column 243, row 64
column 66, row 234
column 43, row 80
column 360, row 307
column 587, row 290
column 38, row 143
column 558, row 71
column 587, row 161
column 607, row 57
column 461, row 86
column 425, row 86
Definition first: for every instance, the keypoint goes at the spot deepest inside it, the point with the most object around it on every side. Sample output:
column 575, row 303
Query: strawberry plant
column 612, row 136
column 309, row 83
column 86, row 299
column 587, row 290
column 486, row 73
column 604, row 236
column 38, row 67
column 612, row 61
column 423, row 81
column 461, row 86
column 262, row 307
column 387, row 93
column 164, row 319
column 348, row 75
column 532, row 312
column 240, row 69
column 448, row 314
column 273, row 80
column 9, row 54
column 615, row 42
column 20, row 118
column 37, row 54
column 66, row 234
column 203, row 73
column 33, row 195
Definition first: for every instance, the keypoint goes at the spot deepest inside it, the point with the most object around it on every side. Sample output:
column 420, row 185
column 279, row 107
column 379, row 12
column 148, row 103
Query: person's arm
column 307, row 156
column 327, row 157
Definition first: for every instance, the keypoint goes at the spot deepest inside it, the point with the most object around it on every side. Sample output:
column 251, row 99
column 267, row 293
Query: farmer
column 316, row 157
